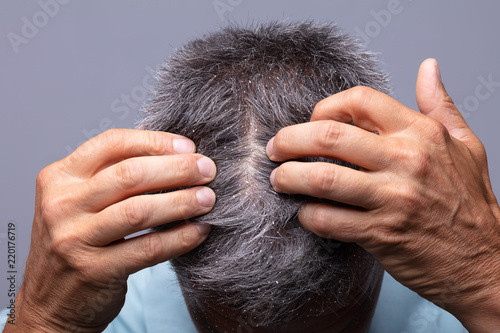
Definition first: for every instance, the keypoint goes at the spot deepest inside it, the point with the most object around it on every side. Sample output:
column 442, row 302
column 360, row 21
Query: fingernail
column 273, row 177
column 269, row 147
column 438, row 71
column 206, row 167
column 183, row 146
column 206, row 197
column 203, row 228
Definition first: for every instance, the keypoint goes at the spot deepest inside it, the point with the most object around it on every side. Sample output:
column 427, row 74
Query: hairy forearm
column 485, row 316
column 483, row 320
column 25, row 319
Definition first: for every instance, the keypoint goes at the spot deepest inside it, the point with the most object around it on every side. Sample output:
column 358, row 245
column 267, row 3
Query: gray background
column 69, row 79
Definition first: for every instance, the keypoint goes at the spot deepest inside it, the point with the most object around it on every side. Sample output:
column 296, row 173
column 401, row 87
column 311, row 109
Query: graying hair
column 230, row 92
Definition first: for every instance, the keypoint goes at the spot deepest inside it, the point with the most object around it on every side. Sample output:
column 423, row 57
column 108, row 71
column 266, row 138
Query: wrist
column 479, row 309
column 25, row 317
column 483, row 314
column 484, row 319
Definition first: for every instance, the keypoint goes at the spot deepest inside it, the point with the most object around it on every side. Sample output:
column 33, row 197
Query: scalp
column 230, row 92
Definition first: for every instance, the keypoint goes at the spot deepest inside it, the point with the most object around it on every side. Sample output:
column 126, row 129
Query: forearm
column 27, row 318
column 23, row 320
column 486, row 318
column 483, row 320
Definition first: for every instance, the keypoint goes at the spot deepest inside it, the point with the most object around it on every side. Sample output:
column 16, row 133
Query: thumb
column 434, row 101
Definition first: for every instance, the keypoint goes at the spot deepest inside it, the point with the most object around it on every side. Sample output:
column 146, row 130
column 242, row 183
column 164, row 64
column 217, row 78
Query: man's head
column 230, row 92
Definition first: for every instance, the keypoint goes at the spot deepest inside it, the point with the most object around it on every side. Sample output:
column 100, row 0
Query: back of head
column 230, row 92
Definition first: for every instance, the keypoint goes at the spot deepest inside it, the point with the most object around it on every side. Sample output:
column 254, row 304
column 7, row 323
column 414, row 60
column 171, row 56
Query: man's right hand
column 86, row 204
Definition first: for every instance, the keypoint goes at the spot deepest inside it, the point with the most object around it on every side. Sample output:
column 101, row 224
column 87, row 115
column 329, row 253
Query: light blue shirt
column 154, row 303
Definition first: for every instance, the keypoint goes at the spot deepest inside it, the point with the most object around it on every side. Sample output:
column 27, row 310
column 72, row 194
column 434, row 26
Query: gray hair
column 230, row 92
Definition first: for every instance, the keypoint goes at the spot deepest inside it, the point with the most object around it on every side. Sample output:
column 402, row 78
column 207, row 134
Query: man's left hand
column 421, row 203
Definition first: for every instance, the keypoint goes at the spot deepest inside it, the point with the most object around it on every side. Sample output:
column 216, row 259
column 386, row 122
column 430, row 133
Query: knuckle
column 320, row 221
column 416, row 160
column 48, row 208
column 184, row 210
column 128, row 174
column 322, row 179
column 184, row 163
column 64, row 245
column 156, row 143
column 60, row 244
column 438, row 133
column 388, row 234
column 415, row 154
column 421, row 162
column 329, row 135
column 134, row 213
column 43, row 176
column 408, row 199
column 357, row 96
column 447, row 102
column 185, row 240
column 183, row 168
column 409, row 196
column 183, row 204
column 151, row 248
column 46, row 175
column 52, row 207
column 113, row 138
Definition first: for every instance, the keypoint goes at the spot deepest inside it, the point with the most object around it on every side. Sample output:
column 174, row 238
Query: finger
column 147, row 211
column 116, row 145
column 433, row 101
column 328, row 139
column 328, row 181
column 150, row 249
column 366, row 108
column 345, row 224
column 146, row 174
